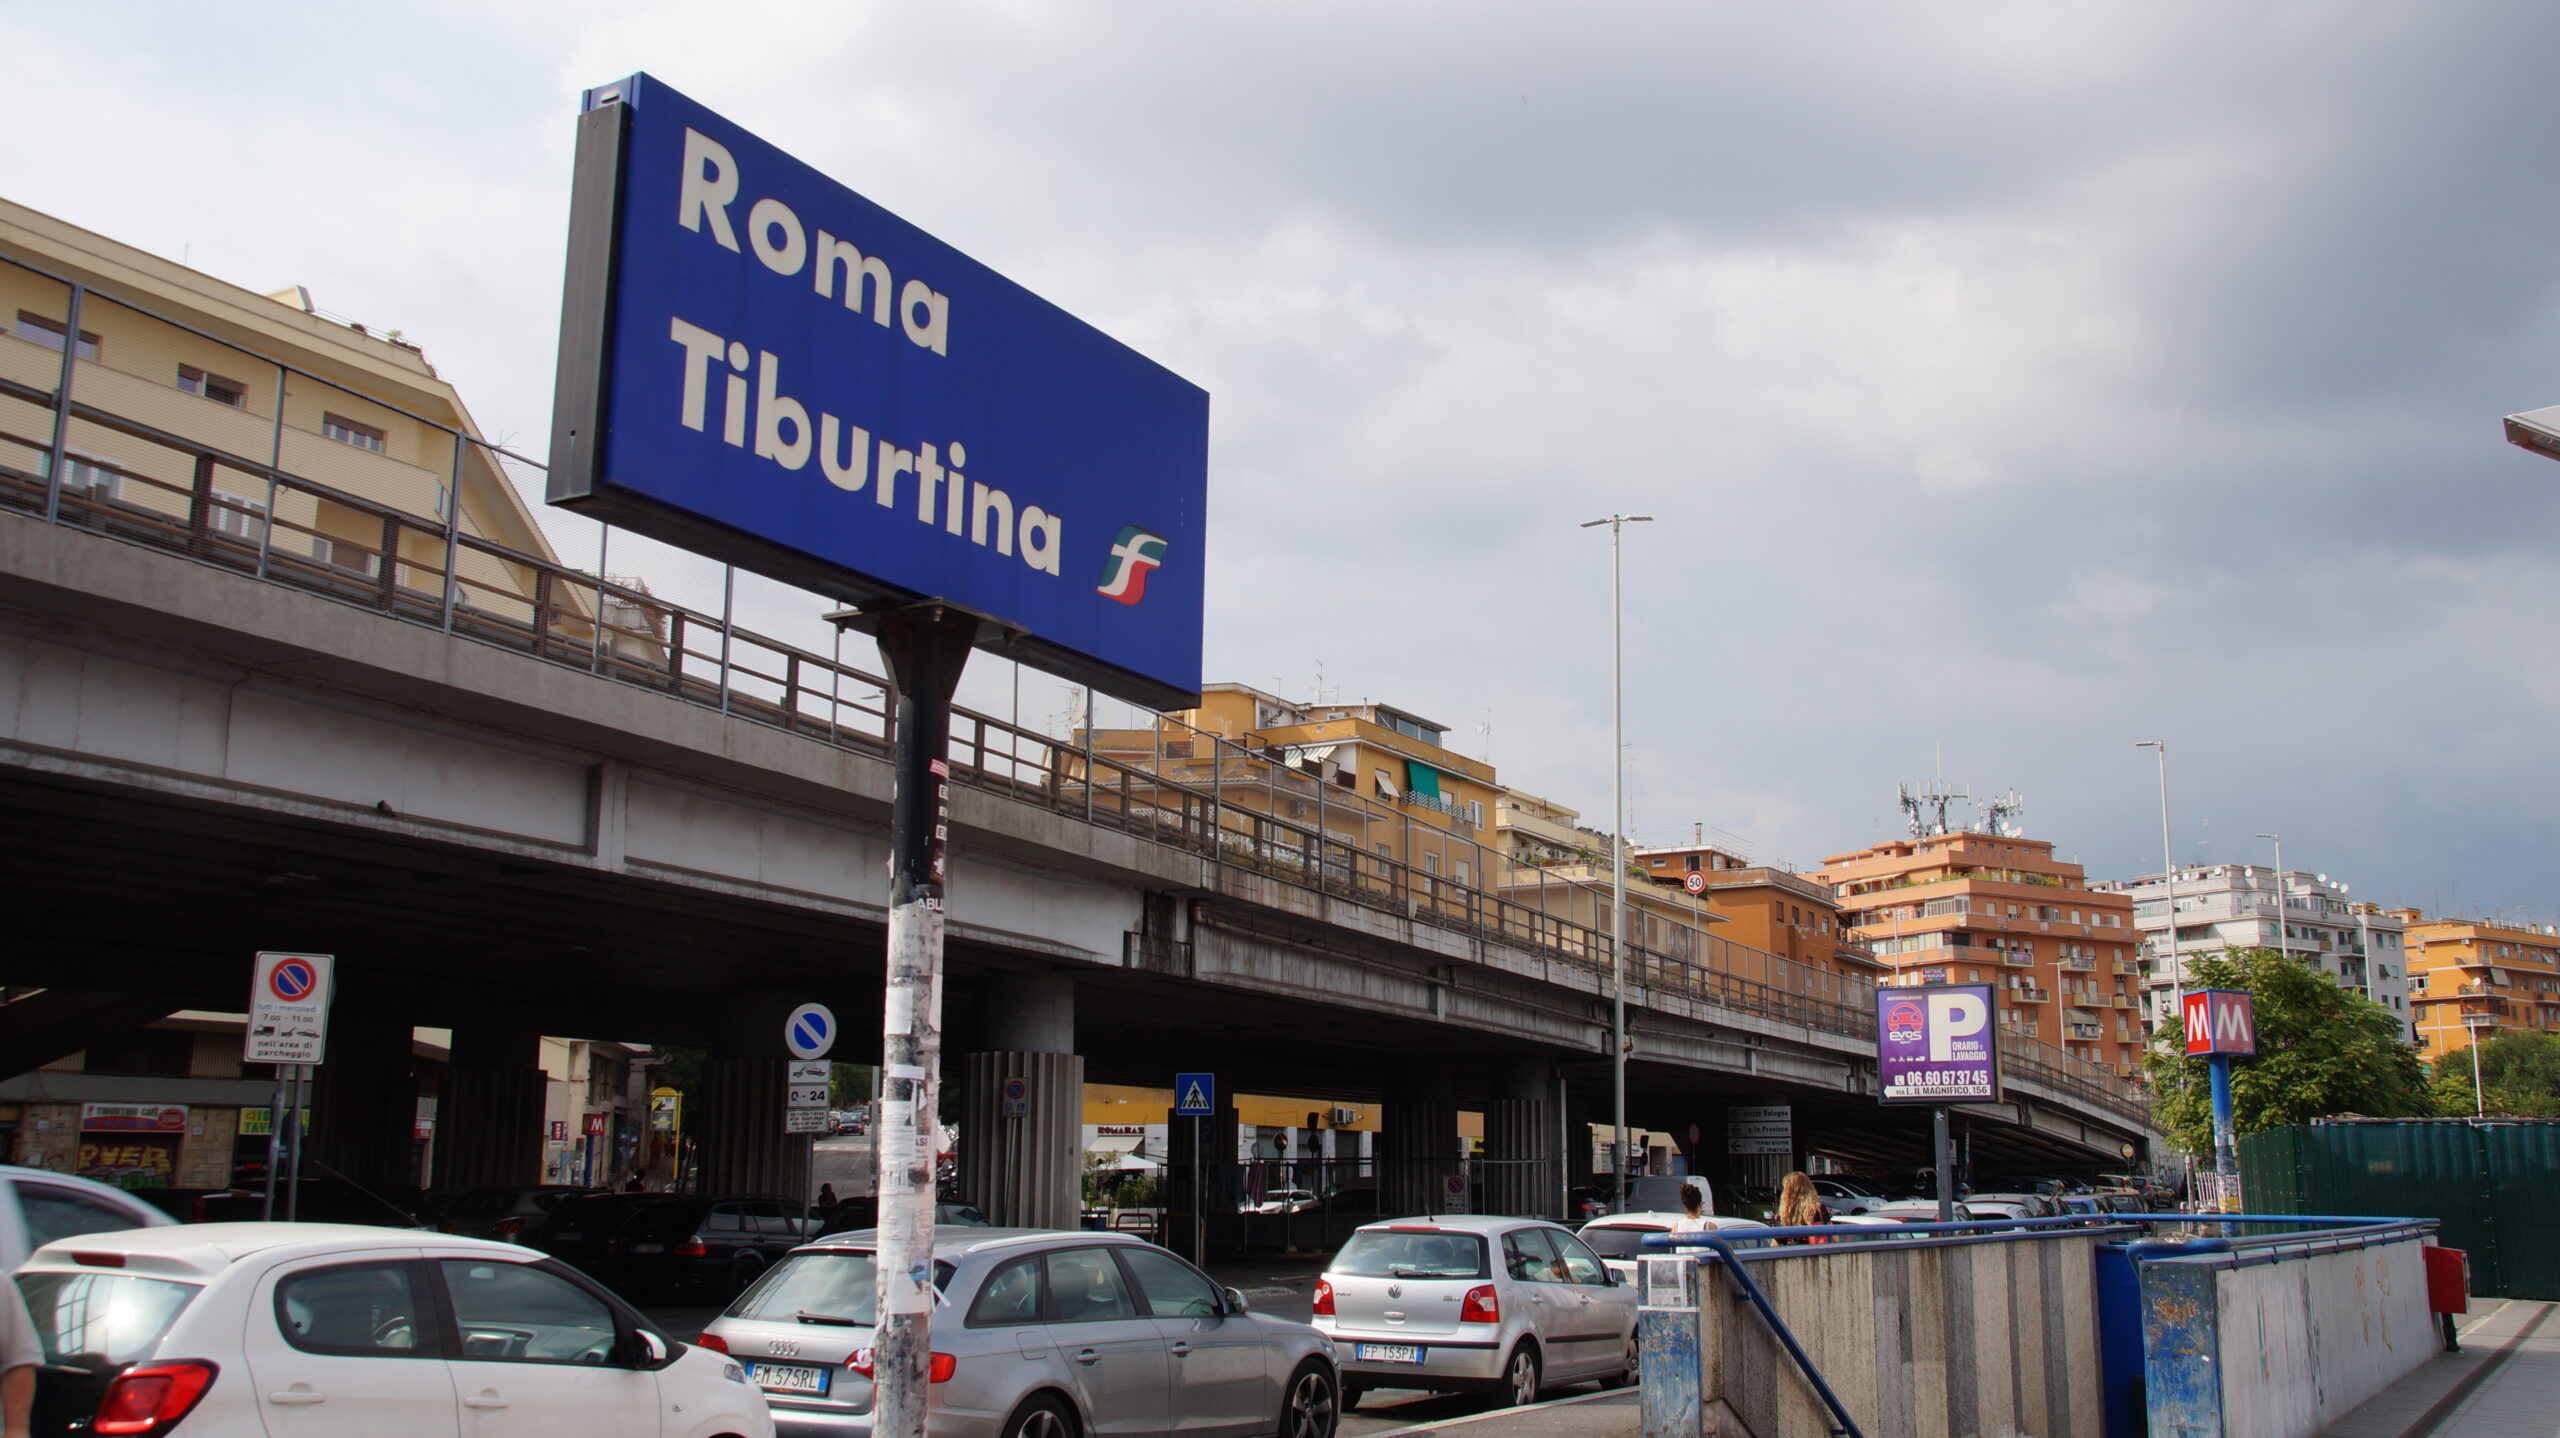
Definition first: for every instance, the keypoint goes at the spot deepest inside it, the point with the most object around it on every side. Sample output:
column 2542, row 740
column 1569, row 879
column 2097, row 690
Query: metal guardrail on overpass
column 102, row 468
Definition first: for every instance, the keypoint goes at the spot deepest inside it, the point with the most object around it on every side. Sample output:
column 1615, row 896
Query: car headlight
column 733, row 1373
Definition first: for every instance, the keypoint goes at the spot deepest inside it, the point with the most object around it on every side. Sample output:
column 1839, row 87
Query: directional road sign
column 810, row 1031
column 1195, row 1094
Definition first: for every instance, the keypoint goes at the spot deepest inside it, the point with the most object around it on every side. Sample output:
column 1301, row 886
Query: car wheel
column 1041, row 1416
column 1628, row 1374
column 1521, row 1377
column 742, row 1271
column 1307, row 1409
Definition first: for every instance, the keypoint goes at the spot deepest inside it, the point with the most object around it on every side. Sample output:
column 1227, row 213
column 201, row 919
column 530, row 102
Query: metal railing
column 209, row 496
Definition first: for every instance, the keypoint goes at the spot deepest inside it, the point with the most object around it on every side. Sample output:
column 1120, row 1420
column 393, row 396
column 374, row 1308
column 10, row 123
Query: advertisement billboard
column 1937, row 1045
column 763, row 366
column 2220, row 1021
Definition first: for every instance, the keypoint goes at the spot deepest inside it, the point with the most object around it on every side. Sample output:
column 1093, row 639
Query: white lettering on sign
column 962, row 508
column 710, row 186
column 1952, row 1017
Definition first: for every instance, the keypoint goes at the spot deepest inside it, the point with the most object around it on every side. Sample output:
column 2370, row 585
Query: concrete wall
column 2283, row 1349
column 1979, row 1338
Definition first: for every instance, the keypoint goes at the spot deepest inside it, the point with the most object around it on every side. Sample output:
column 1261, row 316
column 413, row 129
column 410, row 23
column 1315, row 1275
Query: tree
column 2322, row 1049
column 2520, row 1072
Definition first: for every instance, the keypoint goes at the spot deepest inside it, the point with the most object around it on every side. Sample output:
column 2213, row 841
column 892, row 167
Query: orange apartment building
column 2466, row 975
column 1992, row 909
column 1764, row 906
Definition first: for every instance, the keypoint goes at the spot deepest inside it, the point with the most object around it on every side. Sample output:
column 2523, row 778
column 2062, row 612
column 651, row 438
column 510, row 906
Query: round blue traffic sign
column 293, row 980
column 809, row 1032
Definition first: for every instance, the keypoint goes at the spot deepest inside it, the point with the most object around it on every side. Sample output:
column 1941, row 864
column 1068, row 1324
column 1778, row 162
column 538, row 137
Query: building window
column 347, row 431
column 94, row 477
column 36, row 329
column 244, row 519
column 1693, row 863
column 212, row 386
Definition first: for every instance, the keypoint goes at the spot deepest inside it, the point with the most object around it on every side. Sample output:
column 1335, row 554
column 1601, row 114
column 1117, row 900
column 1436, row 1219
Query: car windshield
column 101, row 1319
column 1411, row 1253
column 1618, row 1242
column 821, row 1286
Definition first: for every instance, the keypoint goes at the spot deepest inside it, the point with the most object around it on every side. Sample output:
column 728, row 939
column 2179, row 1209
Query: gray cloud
column 2025, row 379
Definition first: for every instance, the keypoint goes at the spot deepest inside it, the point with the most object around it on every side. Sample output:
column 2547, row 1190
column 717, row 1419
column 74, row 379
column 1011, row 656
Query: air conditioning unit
column 1343, row 1116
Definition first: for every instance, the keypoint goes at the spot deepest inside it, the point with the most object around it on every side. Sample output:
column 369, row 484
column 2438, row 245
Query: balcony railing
column 180, row 493
column 2081, row 964
column 2024, row 995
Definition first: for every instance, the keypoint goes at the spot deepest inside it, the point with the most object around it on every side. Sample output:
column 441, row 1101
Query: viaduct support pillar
column 364, row 1101
column 740, row 1145
column 1417, row 1143
column 1022, row 1106
column 489, row 1109
column 1521, row 1143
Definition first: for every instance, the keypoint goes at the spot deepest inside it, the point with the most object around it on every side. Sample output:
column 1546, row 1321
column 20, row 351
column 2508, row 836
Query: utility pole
column 1618, row 849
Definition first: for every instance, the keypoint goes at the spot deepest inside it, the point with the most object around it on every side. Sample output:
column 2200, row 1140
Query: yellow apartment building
column 2470, row 977
column 1993, row 909
column 267, row 380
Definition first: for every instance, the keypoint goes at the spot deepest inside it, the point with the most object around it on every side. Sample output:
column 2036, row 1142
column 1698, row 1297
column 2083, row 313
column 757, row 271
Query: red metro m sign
column 2220, row 1021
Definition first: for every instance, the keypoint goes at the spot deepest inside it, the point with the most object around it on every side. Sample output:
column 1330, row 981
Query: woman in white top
column 1693, row 1211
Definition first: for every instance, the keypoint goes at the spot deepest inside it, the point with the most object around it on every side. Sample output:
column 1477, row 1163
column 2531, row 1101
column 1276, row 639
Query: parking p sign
column 1936, row 1044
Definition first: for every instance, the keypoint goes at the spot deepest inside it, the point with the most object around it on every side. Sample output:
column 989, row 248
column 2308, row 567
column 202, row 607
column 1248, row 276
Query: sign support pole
column 275, row 1140
column 1199, row 1199
column 1943, row 1150
column 2226, row 1142
column 925, row 648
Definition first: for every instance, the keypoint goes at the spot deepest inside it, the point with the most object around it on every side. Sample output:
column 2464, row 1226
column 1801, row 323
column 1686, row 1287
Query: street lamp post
column 1618, row 850
column 2226, row 1140
column 2475, row 1024
column 2284, row 937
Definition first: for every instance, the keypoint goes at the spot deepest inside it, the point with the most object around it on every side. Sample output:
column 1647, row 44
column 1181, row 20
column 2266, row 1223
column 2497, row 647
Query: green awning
column 1421, row 778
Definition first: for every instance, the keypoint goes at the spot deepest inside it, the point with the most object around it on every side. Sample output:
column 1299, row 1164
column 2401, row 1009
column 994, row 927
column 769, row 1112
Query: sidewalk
column 1614, row 1414
column 2505, row 1382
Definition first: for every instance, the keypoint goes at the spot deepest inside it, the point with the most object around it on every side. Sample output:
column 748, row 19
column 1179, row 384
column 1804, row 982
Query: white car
column 1619, row 1238
column 1283, row 1200
column 41, row 1206
column 1844, row 1196
column 1462, row 1304
column 284, row 1330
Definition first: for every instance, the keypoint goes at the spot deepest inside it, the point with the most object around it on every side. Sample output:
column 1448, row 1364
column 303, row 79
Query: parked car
column 1282, row 1200
column 38, row 1206
column 2010, row 1205
column 1358, row 1199
column 1846, row 1195
column 320, row 1200
column 286, row 1328
column 502, row 1213
column 1582, row 1204
column 580, row 1230
column 1456, row 1304
column 1619, row 1238
column 851, row 1214
column 1919, row 1210
column 714, row 1246
column 1037, row 1335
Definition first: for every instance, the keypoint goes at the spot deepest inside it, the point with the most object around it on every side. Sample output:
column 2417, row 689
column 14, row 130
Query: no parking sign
column 288, row 1009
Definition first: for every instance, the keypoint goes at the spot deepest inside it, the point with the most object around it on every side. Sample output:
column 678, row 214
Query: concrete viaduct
column 508, row 836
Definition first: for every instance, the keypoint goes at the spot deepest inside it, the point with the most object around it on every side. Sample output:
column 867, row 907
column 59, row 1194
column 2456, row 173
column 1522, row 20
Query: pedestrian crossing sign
column 1195, row 1094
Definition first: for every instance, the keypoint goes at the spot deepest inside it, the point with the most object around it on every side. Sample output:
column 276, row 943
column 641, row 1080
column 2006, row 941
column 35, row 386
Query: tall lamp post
column 1618, row 850
column 2284, row 937
column 2476, row 1025
column 2226, row 1139
column 2168, row 860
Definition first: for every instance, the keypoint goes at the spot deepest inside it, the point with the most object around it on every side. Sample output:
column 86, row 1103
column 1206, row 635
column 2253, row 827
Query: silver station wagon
column 1040, row 1334
column 1508, row 1306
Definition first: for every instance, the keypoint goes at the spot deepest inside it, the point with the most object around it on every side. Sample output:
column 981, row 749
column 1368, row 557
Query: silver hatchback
column 1040, row 1334
column 1507, row 1306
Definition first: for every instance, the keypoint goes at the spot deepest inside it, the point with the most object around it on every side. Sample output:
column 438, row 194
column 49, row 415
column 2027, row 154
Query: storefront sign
column 133, row 1118
column 1937, row 1045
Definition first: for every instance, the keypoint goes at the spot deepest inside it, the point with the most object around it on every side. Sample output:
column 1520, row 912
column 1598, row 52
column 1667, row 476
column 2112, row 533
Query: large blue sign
column 761, row 365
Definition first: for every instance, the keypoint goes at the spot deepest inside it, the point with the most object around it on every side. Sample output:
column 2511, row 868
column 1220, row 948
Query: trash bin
column 1095, row 1220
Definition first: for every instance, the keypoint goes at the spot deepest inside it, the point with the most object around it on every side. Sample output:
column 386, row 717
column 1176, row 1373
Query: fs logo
column 1902, row 1023
column 1124, row 572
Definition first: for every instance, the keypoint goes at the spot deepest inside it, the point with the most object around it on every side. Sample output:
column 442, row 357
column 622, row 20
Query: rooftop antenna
column 1319, row 699
column 1485, row 729
column 2000, row 815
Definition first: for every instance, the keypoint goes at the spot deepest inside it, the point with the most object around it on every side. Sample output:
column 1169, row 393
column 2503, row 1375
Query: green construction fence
column 2493, row 1183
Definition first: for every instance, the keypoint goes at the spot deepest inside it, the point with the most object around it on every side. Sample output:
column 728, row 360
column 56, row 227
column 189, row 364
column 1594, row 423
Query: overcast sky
column 2012, row 381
